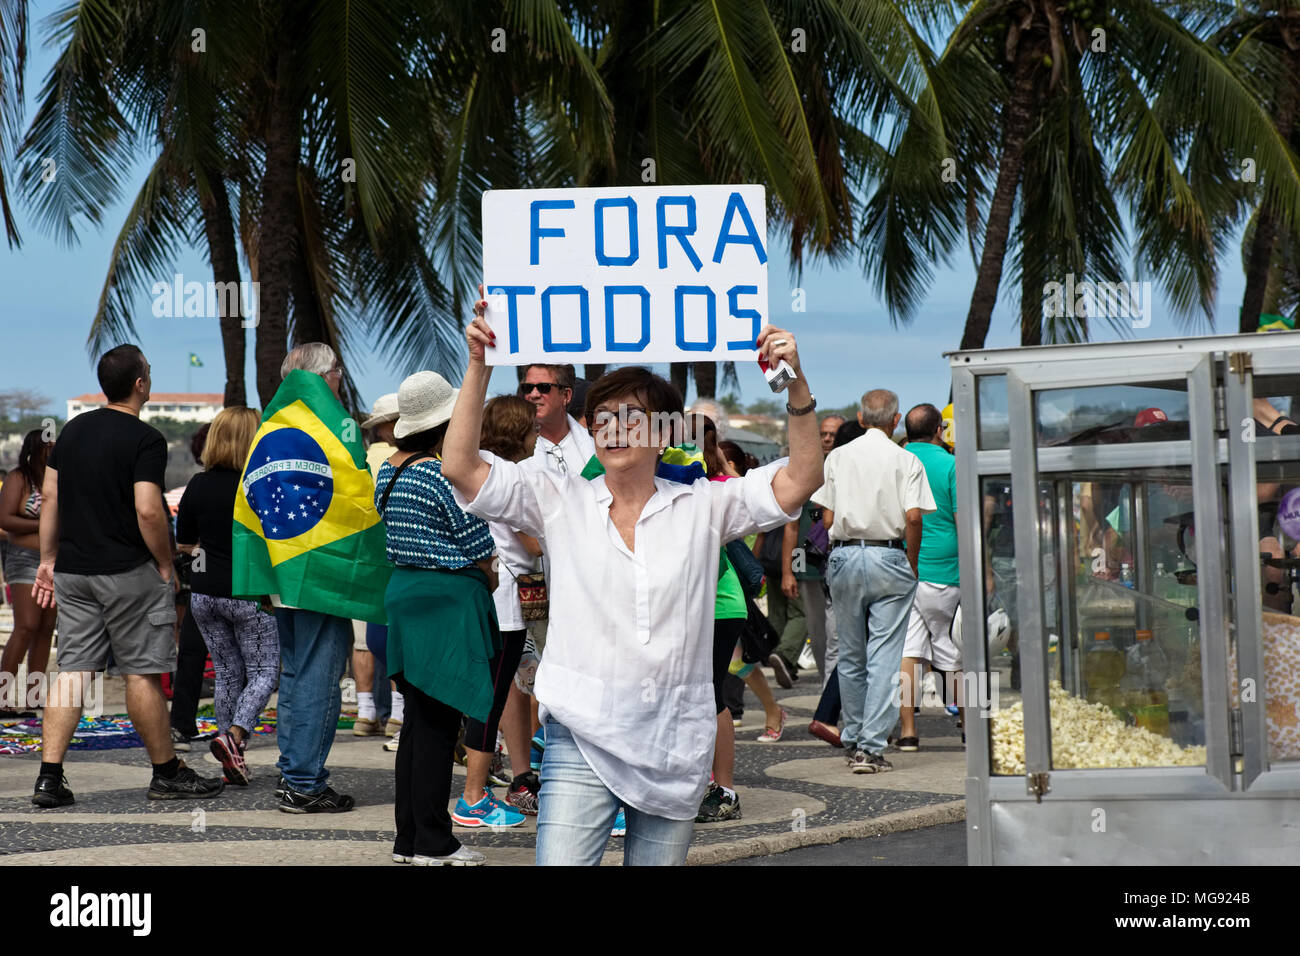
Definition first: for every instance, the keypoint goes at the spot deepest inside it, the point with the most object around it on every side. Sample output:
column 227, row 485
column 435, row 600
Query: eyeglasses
column 555, row 452
column 542, row 387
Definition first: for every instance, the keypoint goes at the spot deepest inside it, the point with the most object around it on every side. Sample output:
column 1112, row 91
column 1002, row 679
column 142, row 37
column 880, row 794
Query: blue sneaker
column 536, row 750
column 952, row 709
column 620, row 824
column 488, row 812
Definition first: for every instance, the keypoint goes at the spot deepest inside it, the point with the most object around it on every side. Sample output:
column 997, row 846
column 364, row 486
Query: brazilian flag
column 305, row 521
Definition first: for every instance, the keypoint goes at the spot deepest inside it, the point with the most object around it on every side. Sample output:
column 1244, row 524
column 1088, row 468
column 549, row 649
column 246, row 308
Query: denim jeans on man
column 577, row 812
column 314, row 650
column 872, row 588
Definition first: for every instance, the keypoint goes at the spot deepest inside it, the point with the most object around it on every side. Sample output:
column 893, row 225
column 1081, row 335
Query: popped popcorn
column 1085, row 735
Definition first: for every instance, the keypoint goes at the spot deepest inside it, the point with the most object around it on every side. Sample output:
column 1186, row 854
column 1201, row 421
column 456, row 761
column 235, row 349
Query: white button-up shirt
column 628, row 667
column 871, row 484
column 567, row 456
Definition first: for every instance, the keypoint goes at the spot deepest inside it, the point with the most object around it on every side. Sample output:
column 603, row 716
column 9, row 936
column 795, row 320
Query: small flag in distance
column 195, row 361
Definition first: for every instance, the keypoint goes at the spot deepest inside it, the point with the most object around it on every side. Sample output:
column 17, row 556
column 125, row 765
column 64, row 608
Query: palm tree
column 13, row 66
column 1083, row 120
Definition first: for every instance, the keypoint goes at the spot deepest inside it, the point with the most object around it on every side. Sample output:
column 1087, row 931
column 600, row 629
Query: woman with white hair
column 626, row 684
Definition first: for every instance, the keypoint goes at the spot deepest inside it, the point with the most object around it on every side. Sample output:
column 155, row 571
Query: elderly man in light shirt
column 875, row 494
column 563, row 445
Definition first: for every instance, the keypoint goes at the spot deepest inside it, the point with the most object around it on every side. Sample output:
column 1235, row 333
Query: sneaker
column 853, row 757
column 770, row 736
column 781, row 670
column 186, row 785
column 718, row 806
column 620, row 824
column 870, row 763
column 230, row 754
column 488, row 812
column 52, row 791
column 327, row 801
column 281, row 787
column 392, row 745
column 807, row 659
column 367, row 727
column 180, row 742
column 392, row 728
column 403, row 858
column 498, row 775
column 909, row 744
column 536, row 749
column 462, row 857
column 523, row 792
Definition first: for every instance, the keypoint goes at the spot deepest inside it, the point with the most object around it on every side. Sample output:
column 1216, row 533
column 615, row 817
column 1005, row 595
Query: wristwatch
column 812, row 404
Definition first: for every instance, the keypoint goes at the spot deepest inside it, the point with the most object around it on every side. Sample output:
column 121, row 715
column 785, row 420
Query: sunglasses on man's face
column 543, row 388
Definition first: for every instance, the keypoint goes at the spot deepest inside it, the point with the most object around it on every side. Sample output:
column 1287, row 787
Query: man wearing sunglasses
column 563, row 445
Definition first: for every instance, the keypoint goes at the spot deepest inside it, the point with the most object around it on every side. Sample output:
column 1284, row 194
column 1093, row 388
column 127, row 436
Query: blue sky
column 846, row 340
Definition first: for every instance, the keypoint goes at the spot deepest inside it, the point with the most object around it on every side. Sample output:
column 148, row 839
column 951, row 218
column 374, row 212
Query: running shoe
column 392, row 745
column 620, row 824
column 462, row 857
column 230, row 754
column 718, row 805
column 488, row 812
column 770, row 736
column 523, row 792
column 186, row 785
column 537, row 748
column 328, row 800
column 864, row 762
column 498, row 775
column 180, row 742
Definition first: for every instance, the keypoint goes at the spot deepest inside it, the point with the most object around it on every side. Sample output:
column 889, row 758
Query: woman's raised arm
column 461, row 464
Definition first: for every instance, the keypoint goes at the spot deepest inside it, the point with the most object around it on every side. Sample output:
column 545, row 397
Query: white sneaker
column 807, row 659
column 391, row 744
column 462, row 857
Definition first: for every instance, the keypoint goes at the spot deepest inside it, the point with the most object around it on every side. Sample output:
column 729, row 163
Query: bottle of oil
column 1103, row 669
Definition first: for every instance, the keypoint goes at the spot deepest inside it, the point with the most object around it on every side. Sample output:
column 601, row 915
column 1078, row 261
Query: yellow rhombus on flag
column 305, row 526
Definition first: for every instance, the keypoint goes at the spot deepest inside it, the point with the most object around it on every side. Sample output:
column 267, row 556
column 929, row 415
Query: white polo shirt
column 871, row 484
column 628, row 667
column 567, row 456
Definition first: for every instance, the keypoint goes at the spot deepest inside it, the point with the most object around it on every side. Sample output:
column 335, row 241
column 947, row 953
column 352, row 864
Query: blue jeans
column 577, row 811
column 872, row 589
column 314, row 650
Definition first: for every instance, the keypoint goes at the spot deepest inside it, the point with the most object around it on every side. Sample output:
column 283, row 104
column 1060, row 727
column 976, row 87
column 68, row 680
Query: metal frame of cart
column 1235, row 809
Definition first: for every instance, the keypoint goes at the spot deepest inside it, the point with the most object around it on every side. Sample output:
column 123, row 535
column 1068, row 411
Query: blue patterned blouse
column 425, row 527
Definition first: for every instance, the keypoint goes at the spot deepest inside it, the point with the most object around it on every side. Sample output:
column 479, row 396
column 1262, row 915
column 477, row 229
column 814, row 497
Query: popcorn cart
column 1128, row 509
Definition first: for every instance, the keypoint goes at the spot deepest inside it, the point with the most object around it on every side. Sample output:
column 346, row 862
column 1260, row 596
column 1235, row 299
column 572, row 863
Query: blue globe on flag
column 288, row 483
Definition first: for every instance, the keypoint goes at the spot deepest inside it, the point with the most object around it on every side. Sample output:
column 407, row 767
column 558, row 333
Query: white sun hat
column 384, row 410
column 424, row 400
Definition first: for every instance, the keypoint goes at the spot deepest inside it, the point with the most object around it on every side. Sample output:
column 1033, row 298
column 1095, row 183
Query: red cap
column 1149, row 416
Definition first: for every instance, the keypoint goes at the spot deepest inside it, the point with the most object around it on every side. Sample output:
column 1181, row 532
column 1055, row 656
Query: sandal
column 770, row 736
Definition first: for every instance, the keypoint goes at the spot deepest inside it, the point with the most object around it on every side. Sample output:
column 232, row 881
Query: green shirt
column 937, row 562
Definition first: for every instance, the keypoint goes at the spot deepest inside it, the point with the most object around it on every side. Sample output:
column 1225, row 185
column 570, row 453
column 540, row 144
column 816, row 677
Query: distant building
column 181, row 406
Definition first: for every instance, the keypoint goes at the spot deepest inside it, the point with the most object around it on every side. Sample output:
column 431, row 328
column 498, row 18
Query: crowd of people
column 576, row 571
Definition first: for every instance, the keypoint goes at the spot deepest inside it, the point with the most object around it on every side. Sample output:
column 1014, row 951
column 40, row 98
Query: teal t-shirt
column 937, row 563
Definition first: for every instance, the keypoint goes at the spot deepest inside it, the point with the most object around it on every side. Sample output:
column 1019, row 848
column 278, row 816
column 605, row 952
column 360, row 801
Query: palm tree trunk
column 998, row 228
column 678, row 373
column 1031, row 306
column 224, row 257
column 279, row 234
column 1261, row 247
column 706, row 379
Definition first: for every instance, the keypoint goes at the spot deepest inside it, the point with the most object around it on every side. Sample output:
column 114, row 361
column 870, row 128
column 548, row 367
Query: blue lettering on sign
column 737, row 205
column 535, row 230
column 680, row 232
column 632, row 245
column 680, row 294
column 738, row 312
column 584, row 320
column 638, row 290
column 288, row 483
column 512, row 292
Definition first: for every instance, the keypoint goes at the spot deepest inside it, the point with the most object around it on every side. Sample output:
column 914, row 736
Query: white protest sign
column 625, row 274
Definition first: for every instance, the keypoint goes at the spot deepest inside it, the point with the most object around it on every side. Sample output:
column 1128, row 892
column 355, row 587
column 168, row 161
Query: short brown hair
column 230, row 438
column 658, row 393
column 507, row 420
column 564, row 374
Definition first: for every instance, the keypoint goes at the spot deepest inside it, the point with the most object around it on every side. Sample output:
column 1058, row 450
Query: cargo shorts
column 132, row 614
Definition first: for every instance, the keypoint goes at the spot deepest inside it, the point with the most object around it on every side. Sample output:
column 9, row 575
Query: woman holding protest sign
column 626, row 686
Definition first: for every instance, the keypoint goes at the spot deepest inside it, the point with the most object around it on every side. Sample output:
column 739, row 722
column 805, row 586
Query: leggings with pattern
column 245, row 649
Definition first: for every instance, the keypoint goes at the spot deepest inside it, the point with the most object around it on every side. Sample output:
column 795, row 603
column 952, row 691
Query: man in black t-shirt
column 106, row 563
